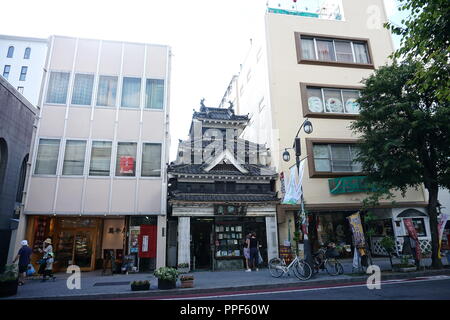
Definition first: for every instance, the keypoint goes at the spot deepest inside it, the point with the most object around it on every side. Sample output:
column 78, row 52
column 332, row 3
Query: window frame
column 160, row 160
column 23, row 74
column 89, row 156
column 60, row 146
column 97, row 86
column 10, row 52
column 4, row 70
column 72, row 89
column 69, row 88
column 330, row 115
column 335, row 63
column 27, row 53
column 310, row 142
column 63, row 155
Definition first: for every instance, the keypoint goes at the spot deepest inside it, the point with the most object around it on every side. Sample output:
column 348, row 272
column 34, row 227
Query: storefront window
column 419, row 225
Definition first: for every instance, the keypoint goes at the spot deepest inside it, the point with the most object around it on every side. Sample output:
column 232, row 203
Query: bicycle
column 326, row 259
column 301, row 269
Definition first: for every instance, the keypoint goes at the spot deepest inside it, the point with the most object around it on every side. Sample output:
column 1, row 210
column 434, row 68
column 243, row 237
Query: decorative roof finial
column 231, row 106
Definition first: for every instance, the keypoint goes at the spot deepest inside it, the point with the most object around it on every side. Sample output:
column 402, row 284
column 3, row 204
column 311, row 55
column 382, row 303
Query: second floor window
column 336, row 158
column 57, row 87
column 27, row 53
column 100, row 158
column 10, row 53
column 23, row 74
column 151, row 160
column 6, row 71
column 74, row 158
column 47, row 156
column 126, row 159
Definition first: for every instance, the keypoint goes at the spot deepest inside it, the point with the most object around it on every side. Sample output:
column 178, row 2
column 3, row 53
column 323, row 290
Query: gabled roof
column 253, row 170
column 218, row 114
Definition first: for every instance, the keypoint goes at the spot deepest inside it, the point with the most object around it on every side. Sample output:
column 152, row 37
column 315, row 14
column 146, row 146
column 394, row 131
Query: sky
column 209, row 38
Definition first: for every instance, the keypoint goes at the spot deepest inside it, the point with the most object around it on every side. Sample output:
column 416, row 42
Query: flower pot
column 187, row 284
column 8, row 288
column 140, row 287
column 166, row 284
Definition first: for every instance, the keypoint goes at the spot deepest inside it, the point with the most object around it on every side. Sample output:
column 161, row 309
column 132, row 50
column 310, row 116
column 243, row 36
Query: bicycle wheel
column 302, row 270
column 276, row 266
column 333, row 267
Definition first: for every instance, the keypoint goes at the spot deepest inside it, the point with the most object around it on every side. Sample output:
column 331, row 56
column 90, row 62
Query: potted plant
column 9, row 281
column 183, row 267
column 140, row 285
column 167, row 277
column 187, row 281
column 388, row 244
column 404, row 265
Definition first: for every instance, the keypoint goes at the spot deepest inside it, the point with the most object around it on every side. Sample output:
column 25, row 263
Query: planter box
column 142, row 287
column 8, row 288
column 187, row 284
column 166, row 284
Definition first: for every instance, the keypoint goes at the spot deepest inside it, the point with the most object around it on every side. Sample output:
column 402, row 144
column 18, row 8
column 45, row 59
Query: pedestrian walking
column 254, row 253
column 247, row 253
column 47, row 251
column 23, row 256
column 48, row 272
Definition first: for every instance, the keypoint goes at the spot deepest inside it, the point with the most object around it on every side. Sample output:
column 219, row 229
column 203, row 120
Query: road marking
column 386, row 282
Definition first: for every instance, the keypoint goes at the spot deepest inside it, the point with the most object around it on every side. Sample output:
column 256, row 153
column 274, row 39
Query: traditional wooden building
column 221, row 188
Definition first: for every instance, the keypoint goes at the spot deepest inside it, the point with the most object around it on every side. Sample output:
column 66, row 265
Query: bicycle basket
column 332, row 253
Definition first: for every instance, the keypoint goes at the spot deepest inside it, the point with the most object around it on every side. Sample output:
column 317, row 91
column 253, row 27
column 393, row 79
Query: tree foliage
column 426, row 38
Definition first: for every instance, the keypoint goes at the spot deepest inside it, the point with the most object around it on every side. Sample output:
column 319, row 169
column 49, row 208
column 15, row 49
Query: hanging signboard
column 413, row 234
column 357, row 230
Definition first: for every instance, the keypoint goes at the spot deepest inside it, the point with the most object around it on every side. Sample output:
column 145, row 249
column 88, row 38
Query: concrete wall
column 17, row 117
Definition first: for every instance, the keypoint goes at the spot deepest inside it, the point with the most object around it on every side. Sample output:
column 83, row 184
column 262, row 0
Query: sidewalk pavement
column 96, row 286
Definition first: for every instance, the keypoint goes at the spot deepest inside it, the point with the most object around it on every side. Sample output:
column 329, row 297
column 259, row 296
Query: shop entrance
column 201, row 235
column 76, row 243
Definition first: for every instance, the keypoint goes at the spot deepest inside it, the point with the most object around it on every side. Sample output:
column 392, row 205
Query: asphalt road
column 430, row 288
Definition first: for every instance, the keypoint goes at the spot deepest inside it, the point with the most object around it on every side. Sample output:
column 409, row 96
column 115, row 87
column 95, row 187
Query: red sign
column 147, row 241
column 413, row 234
column 126, row 164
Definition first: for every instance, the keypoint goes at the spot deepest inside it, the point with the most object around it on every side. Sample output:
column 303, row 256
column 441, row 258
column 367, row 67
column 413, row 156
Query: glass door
column 64, row 250
column 82, row 255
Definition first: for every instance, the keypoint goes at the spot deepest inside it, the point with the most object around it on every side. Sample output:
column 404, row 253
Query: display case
column 228, row 241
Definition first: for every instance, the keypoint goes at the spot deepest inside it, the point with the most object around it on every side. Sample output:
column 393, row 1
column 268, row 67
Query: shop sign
column 350, row 185
column 413, row 234
column 357, row 230
column 230, row 210
column 126, row 165
column 147, row 241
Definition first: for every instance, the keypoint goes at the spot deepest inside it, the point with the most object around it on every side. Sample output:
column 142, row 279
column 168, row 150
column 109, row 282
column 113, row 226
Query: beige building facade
column 98, row 176
column 309, row 63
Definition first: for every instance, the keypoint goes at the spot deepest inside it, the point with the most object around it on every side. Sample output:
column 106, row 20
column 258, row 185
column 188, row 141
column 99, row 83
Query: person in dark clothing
column 23, row 256
column 252, row 243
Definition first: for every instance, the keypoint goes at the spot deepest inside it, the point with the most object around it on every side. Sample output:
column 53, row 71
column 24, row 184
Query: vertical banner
column 294, row 191
column 147, row 241
column 413, row 234
column 441, row 226
column 357, row 230
column 283, row 186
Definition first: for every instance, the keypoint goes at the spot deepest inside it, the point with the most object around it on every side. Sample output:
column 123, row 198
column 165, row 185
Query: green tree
column 405, row 135
column 425, row 37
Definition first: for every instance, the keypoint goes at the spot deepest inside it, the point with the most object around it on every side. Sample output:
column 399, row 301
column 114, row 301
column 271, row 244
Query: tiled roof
column 222, row 169
column 224, row 197
column 218, row 114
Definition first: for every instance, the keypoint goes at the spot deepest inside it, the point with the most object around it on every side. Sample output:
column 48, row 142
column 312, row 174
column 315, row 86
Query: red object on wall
column 147, row 241
column 126, row 164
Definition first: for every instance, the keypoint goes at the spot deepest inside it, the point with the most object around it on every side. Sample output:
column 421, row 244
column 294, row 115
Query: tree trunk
column 432, row 213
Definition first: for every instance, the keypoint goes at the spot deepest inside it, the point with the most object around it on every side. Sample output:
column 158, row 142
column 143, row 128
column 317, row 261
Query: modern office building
column 22, row 64
column 98, row 179
column 308, row 61
column 17, row 126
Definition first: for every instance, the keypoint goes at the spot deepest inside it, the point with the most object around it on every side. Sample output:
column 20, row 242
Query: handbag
column 30, row 270
column 260, row 259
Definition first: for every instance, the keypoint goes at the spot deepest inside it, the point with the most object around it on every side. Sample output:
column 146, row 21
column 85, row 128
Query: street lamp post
column 308, row 128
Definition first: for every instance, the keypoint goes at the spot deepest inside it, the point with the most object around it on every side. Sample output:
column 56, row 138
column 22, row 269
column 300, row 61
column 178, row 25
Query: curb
column 188, row 292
